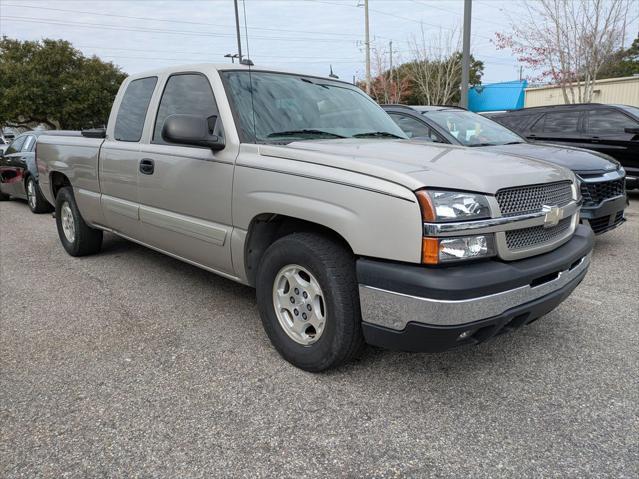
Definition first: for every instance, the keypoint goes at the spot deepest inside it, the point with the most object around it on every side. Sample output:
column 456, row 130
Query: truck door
column 120, row 158
column 185, row 191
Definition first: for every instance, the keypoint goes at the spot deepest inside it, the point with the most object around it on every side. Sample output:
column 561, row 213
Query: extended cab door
column 119, row 161
column 185, row 191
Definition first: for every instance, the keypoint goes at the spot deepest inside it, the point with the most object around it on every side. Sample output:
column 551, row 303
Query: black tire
column 86, row 240
column 334, row 269
column 4, row 197
column 37, row 204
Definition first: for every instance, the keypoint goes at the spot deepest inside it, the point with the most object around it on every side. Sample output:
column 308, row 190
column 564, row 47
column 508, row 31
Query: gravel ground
column 132, row 364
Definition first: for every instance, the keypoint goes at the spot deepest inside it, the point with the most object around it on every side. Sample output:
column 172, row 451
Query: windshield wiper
column 305, row 132
column 483, row 144
column 377, row 134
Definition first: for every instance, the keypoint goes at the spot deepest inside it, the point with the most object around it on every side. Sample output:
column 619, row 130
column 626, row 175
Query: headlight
column 443, row 206
column 443, row 250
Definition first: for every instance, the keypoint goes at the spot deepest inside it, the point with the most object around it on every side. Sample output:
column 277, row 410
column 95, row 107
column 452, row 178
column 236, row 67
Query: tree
column 570, row 41
column 623, row 63
column 51, row 82
column 387, row 85
column 435, row 72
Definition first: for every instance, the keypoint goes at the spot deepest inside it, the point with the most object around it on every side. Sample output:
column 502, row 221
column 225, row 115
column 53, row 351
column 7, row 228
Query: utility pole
column 368, row 49
column 466, row 54
column 237, row 30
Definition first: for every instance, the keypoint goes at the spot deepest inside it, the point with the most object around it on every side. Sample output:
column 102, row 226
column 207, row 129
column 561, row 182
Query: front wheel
column 37, row 202
column 78, row 238
column 308, row 301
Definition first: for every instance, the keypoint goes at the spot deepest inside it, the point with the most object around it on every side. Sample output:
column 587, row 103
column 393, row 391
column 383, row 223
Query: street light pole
column 368, row 49
column 466, row 54
column 237, row 30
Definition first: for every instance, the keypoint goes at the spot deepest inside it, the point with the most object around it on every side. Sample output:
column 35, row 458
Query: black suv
column 609, row 129
column 602, row 178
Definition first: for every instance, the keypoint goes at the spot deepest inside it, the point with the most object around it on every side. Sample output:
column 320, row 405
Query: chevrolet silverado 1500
column 305, row 189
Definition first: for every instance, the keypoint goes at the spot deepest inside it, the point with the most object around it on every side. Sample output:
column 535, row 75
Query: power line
column 161, row 31
column 187, row 22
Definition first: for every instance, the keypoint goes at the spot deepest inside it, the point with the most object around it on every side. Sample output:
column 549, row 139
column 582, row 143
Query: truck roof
column 204, row 67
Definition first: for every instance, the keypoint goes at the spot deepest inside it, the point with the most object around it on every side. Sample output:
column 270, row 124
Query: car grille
column 606, row 223
column 536, row 235
column 530, row 199
column 595, row 193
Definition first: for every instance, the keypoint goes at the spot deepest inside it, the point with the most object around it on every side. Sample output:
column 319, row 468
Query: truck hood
column 414, row 164
column 576, row 159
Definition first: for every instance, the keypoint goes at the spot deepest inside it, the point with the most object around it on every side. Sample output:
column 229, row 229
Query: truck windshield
column 286, row 108
column 471, row 129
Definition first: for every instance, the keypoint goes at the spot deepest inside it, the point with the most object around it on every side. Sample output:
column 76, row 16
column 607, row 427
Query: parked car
column 609, row 129
column 19, row 174
column 4, row 144
column 305, row 189
column 601, row 177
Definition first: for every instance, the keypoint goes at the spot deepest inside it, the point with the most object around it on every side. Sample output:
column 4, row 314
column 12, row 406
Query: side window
column 413, row 128
column 16, row 145
column 132, row 112
column 184, row 94
column 28, row 144
column 513, row 122
column 558, row 122
column 608, row 121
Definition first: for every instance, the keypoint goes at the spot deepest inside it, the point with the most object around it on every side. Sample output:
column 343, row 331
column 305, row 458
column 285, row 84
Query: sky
column 307, row 36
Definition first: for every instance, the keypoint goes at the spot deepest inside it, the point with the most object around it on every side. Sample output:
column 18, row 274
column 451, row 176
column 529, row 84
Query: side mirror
column 632, row 131
column 192, row 130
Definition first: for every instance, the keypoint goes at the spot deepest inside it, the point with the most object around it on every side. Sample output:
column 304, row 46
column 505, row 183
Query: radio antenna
column 237, row 31
column 247, row 60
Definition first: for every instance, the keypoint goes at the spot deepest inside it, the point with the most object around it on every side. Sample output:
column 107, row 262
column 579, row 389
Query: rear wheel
column 308, row 301
column 37, row 202
column 78, row 238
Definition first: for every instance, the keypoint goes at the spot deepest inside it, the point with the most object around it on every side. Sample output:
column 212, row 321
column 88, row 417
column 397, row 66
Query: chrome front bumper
column 395, row 310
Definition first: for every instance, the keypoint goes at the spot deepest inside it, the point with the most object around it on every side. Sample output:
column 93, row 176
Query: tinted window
column 609, row 121
column 16, row 145
column 558, row 122
column 130, row 120
column 28, row 144
column 186, row 94
column 514, row 122
column 413, row 128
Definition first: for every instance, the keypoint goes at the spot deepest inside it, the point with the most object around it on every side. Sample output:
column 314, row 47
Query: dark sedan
column 602, row 178
column 609, row 129
column 19, row 175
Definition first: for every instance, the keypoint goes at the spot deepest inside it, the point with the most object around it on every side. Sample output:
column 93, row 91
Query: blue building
column 508, row 95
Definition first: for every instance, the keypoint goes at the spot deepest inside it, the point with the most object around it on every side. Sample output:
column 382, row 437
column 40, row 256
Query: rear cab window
column 129, row 122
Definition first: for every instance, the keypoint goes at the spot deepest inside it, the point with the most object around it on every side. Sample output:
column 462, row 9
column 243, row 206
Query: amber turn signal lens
column 428, row 211
column 430, row 250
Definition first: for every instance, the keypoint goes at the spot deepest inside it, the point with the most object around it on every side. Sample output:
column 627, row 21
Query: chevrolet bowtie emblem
column 553, row 215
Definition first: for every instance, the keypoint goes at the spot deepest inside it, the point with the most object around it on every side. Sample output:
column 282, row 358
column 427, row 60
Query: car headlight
column 445, row 206
column 460, row 248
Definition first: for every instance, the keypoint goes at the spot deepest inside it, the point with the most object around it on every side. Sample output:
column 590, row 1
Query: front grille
column 604, row 223
column 536, row 236
column 595, row 193
column 530, row 199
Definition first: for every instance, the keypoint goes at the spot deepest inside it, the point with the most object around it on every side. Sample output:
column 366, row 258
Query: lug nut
column 308, row 306
column 304, row 315
column 297, row 291
column 292, row 300
column 296, row 312
column 305, row 294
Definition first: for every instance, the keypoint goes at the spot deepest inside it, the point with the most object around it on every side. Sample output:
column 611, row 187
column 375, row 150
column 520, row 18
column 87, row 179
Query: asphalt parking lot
column 132, row 364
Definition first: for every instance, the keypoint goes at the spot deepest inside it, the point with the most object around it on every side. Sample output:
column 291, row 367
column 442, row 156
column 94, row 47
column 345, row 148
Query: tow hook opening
column 544, row 279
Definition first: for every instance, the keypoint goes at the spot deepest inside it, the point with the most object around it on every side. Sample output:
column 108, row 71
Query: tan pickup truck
column 305, row 189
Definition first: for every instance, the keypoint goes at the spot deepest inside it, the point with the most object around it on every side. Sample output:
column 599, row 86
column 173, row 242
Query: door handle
column 147, row 166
